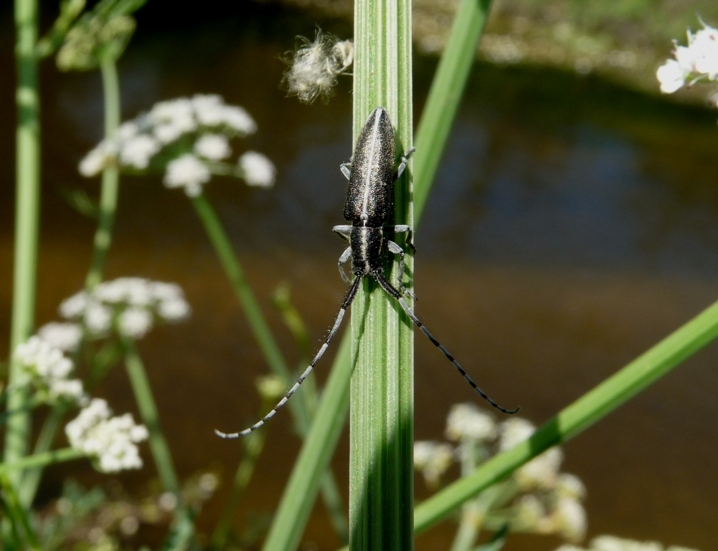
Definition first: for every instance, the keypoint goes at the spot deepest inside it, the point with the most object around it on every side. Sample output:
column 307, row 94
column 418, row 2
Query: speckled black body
column 370, row 197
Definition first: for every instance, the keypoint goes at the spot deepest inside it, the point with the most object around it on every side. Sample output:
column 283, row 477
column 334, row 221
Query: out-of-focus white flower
column 99, row 158
column 135, row 322
column 612, row 543
column 239, row 120
column 188, row 172
column 209, row 109
column 671, row 76
column 570, row 485
column 49, row 371
column 110, row 441
column 43, row 358
column 133, row 302
column 65, row 336
column 467, row 421
column 137, row 151
column 256, row 169
column 432, row 459
column 540, row 472
column 697, row 60
column 705, row 51
column 569, row 519
column 98, row 317
column 214, row 147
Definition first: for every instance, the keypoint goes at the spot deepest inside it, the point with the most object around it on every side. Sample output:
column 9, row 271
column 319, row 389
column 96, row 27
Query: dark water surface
column 573, row 224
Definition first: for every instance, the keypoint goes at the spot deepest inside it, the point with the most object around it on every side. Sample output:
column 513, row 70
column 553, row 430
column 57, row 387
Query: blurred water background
column 573, row 224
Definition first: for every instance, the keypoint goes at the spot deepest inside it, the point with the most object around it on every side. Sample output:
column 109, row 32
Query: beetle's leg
column 404, row 228
column 343, row 259
column 404, row 162
column 346, row 169
column 396, row 249
column 342, row 231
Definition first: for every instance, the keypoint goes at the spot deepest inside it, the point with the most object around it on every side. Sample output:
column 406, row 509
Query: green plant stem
column 150, row 417
column 31, row 479
column 110, row 176
column 158, row 444
column 381, row 411
column 42, row 459
column 577, row 417
column 447, row 89
column 17, row 515
column 27, row 220
column 300, row 408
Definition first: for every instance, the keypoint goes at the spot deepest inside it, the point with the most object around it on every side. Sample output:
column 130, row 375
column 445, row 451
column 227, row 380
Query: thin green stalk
column 31, row 478
column 27, row 220
column 101, row 245
column 318, row 448
column 577, row 417
column 42, row 459
column 158, row 444
column 18, row 516
column 150, row 417
column 447, row 89
column 381, row 411
column 110, row 176
column 301, row 407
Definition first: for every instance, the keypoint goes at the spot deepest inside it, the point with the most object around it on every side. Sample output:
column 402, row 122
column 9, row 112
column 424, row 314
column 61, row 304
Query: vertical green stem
column 110, row 176
column 150, row 417
column 381, row 411
column 27, row 208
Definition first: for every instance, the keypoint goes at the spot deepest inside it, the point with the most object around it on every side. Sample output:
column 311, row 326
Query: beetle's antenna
column 391, row 290
column 337, row 323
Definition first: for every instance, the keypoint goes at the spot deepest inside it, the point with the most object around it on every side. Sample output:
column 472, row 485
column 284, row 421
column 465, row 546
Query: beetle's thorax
column 367, row 245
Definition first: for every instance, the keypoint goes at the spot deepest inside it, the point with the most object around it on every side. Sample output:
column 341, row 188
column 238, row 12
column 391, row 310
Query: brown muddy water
column 573, row 224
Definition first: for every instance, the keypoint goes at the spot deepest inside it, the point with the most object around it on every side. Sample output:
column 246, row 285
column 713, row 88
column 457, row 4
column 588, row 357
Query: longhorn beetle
column 370, row 201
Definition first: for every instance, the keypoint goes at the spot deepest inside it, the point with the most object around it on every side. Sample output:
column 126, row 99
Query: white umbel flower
column 214, row 147
column 188, row 172
column 467, row 421
column 256, row 169
column 697, row 60
column 110, row 441
column 432, row 459
column 131, row 303
column 65, row 336
column 138, row 151
column 49, row 371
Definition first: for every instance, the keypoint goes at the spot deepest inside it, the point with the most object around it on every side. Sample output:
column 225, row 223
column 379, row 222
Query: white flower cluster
column 110, row 441
column 49, row 371
column 316, row 65
column 130, row 304
column 545, row 500
column 696, row 61
column 612, row 543
column 186, row 136
column 432, row 459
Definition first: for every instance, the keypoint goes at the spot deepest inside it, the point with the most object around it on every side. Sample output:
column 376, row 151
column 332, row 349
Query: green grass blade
column 381, row 410
column 447, row 89
column 577, row 417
